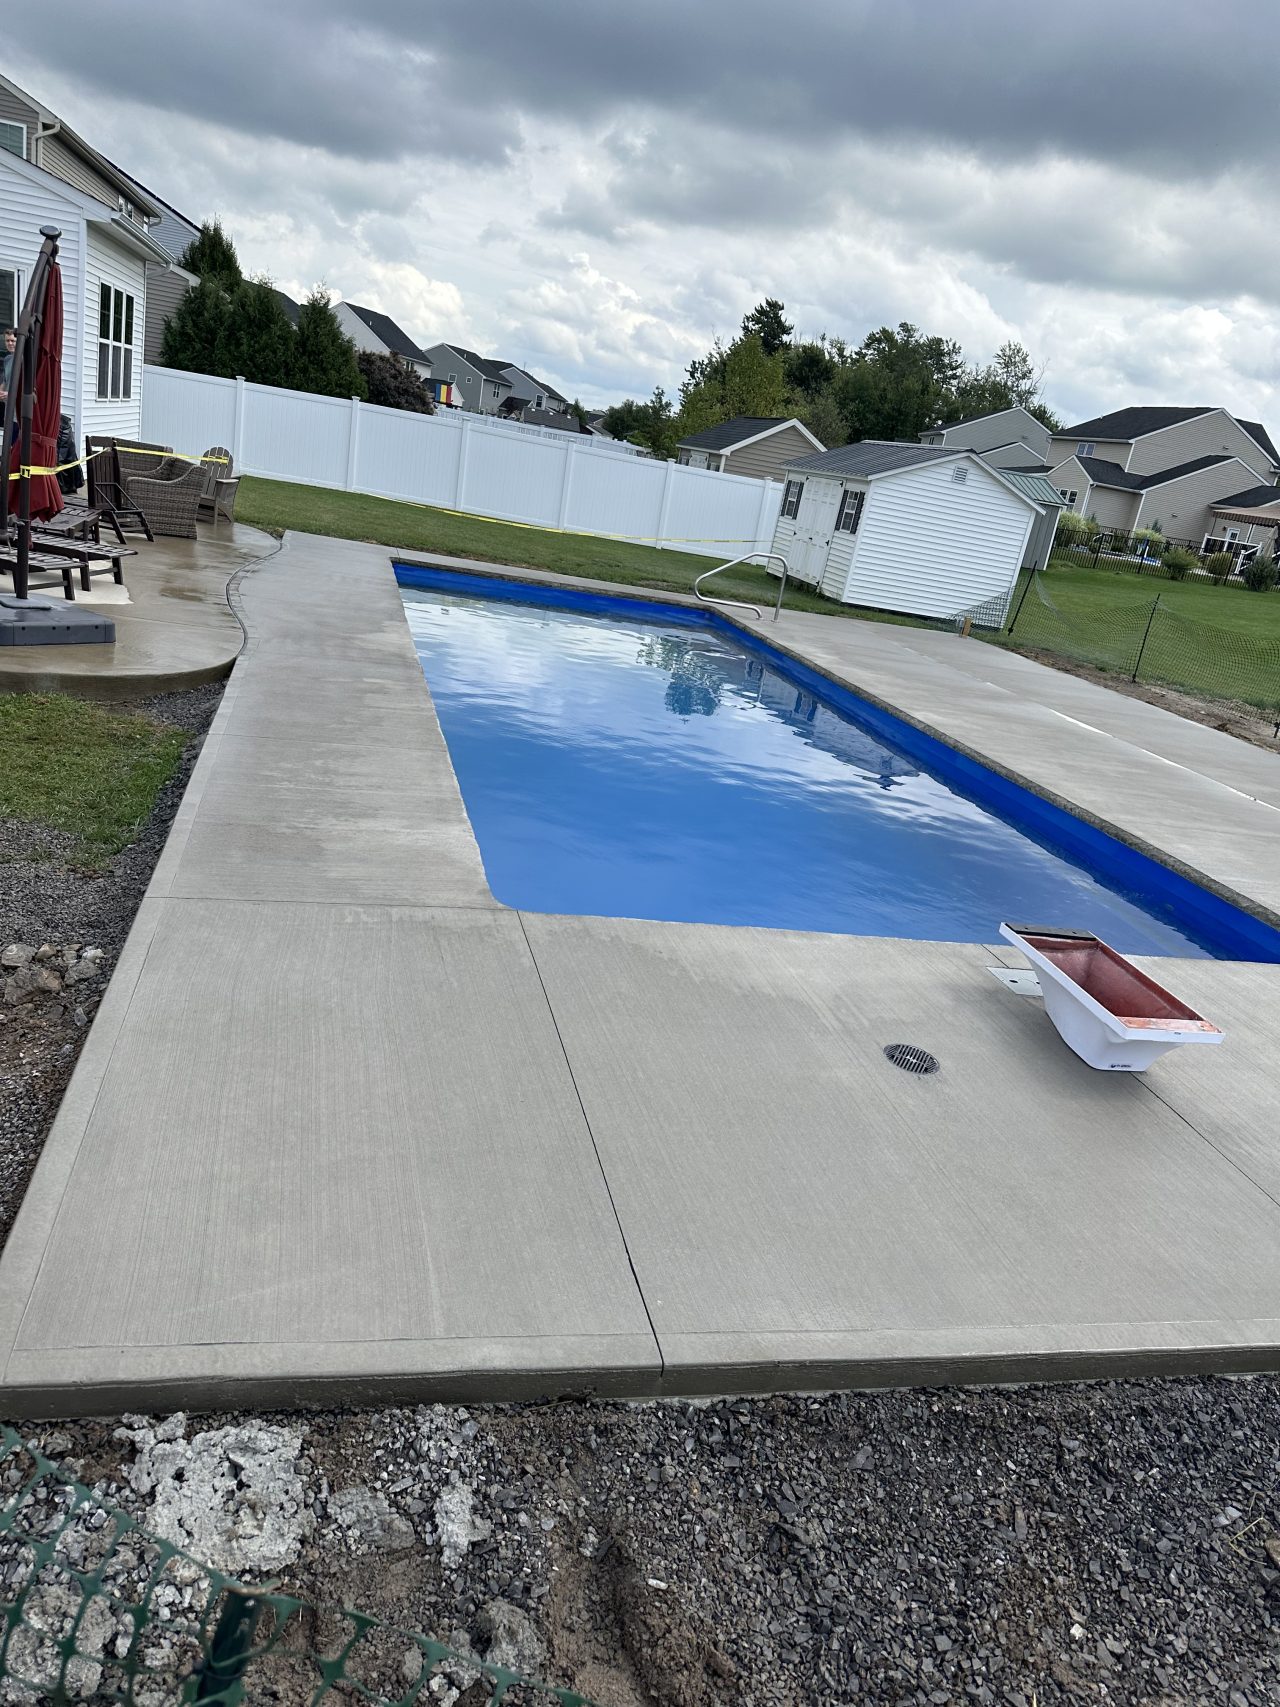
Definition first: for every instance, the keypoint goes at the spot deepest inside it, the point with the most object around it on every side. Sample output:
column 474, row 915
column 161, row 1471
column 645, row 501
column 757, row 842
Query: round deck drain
column 910, row 1058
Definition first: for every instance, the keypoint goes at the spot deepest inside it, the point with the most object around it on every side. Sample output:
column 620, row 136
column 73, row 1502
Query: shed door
column 815, row 526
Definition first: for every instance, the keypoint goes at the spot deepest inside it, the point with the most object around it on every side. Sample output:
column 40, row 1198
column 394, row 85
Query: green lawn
column 278, row 504
column 82, row 768
column 1229, row 606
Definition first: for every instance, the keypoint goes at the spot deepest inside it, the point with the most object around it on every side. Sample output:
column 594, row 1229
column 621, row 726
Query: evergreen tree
column 212, row 255
column 324, row 357
column 258, row 341
column 195, row 334
column 391, row 385
column 767, row 322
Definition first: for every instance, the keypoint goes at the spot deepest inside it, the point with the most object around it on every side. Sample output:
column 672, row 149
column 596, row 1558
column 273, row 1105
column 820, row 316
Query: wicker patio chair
column 169, row 498
column 107, row 489
column 221, row 480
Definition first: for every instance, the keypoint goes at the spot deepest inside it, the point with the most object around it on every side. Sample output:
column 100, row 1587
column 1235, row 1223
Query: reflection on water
column 634, row 769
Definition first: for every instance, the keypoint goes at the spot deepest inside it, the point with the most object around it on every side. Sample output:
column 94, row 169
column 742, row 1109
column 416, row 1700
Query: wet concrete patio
column 175, row 623
column 347, row 1128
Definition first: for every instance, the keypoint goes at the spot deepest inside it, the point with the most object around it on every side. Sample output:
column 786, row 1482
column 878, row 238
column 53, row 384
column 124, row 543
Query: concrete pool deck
column 347, row 1128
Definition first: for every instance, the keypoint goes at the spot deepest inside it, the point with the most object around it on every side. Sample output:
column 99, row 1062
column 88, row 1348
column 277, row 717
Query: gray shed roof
column 1034, row 486
column 735, row 431
column 872, row 456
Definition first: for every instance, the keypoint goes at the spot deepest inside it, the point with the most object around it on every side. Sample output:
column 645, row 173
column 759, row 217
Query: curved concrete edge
column 87, row 672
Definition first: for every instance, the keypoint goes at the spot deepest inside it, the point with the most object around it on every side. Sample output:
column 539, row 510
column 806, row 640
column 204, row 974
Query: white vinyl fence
column 460, row 461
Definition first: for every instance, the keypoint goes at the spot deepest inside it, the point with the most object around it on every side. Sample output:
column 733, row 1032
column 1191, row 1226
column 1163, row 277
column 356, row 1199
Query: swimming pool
column 635, row 761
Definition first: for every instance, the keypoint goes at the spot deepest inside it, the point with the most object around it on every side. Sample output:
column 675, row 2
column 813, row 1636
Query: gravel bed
column 1109, row 1542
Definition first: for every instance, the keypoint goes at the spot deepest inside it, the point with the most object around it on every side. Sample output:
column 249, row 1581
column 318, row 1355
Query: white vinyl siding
column 26, row 205
column 930, row 546
column 107, row 263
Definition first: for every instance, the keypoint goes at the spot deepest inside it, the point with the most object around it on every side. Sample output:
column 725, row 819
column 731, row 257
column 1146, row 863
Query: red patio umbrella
column 46, row 494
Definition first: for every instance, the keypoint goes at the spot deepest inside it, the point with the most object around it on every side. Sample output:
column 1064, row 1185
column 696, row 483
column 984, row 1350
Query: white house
column 904, row 527
column 104, row 256
column 379, row 333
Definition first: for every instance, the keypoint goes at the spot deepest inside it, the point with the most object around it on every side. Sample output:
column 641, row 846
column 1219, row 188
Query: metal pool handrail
column 741, row 604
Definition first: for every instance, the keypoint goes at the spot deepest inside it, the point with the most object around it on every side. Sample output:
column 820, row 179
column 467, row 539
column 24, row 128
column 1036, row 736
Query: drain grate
column 910, row 1058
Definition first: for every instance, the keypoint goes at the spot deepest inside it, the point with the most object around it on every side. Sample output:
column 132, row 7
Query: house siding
column 472, row 389
column 1182, row 507
column 1019, row 455
column 1068, row 476
column 357, row 331
column 1208, row 435
column 16, row 111
column 66, row 164
column 932, row 547
column 1112, row 507
column 166, row 288
column 767, row 458
column 1063, row 446
column 106, row 262
column 990, row 431
column 24, row 208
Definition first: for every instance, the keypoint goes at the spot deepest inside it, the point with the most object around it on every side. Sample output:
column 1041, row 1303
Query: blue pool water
column 617, row 763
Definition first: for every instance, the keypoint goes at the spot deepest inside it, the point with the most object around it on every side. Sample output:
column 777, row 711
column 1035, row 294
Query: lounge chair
column 221, row 480
column 109, row 462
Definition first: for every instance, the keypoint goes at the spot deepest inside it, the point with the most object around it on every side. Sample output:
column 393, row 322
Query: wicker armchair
column 169, row 498
column 221, row 480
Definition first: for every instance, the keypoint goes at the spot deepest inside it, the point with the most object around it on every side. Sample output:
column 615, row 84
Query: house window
column 791, row 499
column 1069, row 496
column 495, row 390
column 14, row 138
column 453, row 379
column 850, row 511
column 1086, row 447
column 9, row 297
column 115, row 343
column 539, row 401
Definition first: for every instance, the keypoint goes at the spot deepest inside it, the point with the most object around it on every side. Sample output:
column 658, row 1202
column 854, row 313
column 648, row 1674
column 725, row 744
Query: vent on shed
column 959, row 475
column 911, row 1058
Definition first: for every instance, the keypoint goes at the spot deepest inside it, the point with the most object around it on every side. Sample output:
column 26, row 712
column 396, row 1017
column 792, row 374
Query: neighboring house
column 479, row 385
column 369, row 330
column 1138, row 467
column 172, row 230
column 1006, row 438
column 905, row 527
column 758, row 445
column 534, row 395
column 561, row 421
column 105, row 254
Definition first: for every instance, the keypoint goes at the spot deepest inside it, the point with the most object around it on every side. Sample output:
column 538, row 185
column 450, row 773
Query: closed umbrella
column 46, row 495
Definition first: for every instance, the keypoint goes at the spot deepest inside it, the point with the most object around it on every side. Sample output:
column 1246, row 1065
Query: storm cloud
column 599, row 189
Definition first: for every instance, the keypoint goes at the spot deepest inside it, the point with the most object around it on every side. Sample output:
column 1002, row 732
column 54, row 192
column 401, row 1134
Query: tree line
column 229, row 325
column 897, row 383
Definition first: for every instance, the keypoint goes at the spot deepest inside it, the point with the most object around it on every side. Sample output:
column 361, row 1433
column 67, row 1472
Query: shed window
column 850, row 511
column 791, row 499
column 115, row 342
column 1086, row 447
column 14, row 138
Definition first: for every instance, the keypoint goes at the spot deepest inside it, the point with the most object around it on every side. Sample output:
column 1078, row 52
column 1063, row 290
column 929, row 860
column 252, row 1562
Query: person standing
column 10, row 345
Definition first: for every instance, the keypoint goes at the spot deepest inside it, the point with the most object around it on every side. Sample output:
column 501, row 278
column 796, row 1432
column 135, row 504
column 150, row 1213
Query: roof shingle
column 384, row 327
column 734, row 432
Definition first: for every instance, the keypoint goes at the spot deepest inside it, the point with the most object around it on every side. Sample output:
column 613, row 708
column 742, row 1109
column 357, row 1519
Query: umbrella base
column 40, row 622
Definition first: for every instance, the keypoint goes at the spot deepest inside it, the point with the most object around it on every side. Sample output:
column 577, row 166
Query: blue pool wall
column 1229, row 931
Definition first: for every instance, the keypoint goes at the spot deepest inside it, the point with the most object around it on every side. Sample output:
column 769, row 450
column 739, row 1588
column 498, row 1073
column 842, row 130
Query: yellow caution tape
column 84, row 461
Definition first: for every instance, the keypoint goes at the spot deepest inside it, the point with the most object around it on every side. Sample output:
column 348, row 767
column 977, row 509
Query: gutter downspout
column 42, row 131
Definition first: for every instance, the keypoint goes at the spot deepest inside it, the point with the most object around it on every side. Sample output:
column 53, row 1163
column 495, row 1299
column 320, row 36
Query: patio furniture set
column 133, row 488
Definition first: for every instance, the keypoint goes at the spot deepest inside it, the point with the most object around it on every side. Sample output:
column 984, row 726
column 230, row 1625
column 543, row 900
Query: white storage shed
column 904, row 527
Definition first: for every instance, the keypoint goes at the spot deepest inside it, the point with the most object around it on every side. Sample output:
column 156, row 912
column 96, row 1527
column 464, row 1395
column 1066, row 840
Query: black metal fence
column 1146, row 640
column 1145, row 552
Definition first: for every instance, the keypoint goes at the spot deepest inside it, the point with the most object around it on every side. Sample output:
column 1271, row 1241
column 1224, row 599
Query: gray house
column 758, row 445
column 532, row 396
column 379, row 333
column 1176, row 466
column 478, row 384
column 1006, row 438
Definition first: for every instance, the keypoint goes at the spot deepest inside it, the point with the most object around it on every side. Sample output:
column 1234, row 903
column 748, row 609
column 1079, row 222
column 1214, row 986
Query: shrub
column 1220, row 564
column 1075, row 529
column 1261, row 575
column 1149, row 541
column 1178, row 562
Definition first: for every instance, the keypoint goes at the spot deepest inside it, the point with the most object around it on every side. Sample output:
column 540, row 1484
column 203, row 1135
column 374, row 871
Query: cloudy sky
column 596, row 189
